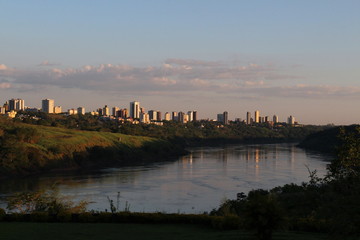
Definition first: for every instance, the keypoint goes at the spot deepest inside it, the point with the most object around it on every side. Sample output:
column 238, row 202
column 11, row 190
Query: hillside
column 27, row 149
column 326, row 141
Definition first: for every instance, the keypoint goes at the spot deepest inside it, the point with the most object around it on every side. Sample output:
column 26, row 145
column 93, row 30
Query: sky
column 280, row 57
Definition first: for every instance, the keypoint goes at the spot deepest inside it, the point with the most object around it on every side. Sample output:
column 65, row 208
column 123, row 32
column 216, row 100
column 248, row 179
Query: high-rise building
column 16, row 104
column 194, row 116
column 48, row 105
column 144, row 118
column 226, row 118
column 72, row 111
column 123, row 113
column 106, row 111
column 6, row 106
column 167, row 116
column 57, row 109
column 257, row 116
column 135, row 110
column 114, row 111
column 152, row 115
column 81, row 110
column 220, row 117
column 275, row 119
column 248, row 118
column 291, row 120
column 174, row 116
column 181, row 117
column 186, row 118
column 2, row 110
column 158, row 116
column 191, row 116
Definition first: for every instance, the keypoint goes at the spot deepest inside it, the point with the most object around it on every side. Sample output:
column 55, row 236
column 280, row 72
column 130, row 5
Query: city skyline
column 135, row 112
column 280, row 57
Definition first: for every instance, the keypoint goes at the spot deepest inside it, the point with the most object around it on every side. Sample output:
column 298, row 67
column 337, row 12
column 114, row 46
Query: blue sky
column 281, row 57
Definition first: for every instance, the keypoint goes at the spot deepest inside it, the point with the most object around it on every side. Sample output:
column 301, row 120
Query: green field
column 28, row 149
column 107, row 231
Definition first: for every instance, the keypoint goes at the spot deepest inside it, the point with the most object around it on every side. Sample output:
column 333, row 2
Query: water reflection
column 194, row 183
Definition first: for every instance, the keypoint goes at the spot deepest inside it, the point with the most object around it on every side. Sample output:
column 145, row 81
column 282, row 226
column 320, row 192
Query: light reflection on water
column 194, row 183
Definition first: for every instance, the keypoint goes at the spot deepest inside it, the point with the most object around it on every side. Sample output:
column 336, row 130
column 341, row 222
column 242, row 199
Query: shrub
column 2, row 214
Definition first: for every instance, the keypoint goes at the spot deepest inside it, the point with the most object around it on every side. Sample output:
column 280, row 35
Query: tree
column 347, row 163
column 263, row 213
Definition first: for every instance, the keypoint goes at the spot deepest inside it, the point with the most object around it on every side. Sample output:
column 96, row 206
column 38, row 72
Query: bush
column 2, row 214
column 39, row 217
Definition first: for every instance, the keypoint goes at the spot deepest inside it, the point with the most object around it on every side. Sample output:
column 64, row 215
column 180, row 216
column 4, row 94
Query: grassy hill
column 28, row 149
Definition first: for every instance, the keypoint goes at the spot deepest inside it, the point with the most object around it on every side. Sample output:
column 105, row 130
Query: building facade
column 48, row 105
column 135, row 110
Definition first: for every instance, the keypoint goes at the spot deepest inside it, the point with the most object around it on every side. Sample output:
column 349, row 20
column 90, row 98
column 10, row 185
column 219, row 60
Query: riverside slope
column 29, row 149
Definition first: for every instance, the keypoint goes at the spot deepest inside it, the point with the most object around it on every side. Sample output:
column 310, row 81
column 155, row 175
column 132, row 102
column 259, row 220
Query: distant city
column 136, row 114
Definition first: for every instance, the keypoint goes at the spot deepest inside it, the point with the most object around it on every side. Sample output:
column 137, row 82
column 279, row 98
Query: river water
column 194, row 183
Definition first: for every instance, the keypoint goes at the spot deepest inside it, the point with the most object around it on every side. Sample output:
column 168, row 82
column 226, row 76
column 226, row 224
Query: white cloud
column 173, row 77
column 46, row 63
column 5, row 85
column 3, row 67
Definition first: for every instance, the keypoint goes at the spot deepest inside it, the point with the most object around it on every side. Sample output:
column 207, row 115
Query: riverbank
column 30, row 149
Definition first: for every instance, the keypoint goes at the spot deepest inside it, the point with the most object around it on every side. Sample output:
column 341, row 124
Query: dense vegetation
column 327, row 140
column 329, row 204
column 189, row 133
column 90, row 231
column 28, row 149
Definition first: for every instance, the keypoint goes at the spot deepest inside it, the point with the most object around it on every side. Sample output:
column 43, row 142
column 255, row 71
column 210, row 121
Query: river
column 194, row 183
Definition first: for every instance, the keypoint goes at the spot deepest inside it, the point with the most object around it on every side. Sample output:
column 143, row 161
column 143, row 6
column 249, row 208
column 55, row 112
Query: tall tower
column 291, row 120
column 248, row 118
column 48, row 105
column 106, row 111
column 16, row 104
column 275, row 119
column 135, row 109
column 174, row 116
column 194, row 116
column 225, row 117
column 257, row 116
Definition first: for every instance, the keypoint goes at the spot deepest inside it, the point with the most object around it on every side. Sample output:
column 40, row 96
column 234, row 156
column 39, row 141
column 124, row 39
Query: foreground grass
column 107, row 231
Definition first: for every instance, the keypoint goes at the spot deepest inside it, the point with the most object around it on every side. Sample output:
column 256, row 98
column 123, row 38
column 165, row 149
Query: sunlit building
column 72, row 111
column 48, row 105
column 158, row 116
column 11, row 114
column 291, row 120
column 106, row 111
column 144, row 118
column 248, row 118
column 152, row 115
column 114, row 111
column 167, row 116
column 135, row 110
column 81, row 110
column 16, row 104
column 174, row 116
column 180, row 116
column 257, row 116
column 57, row 109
